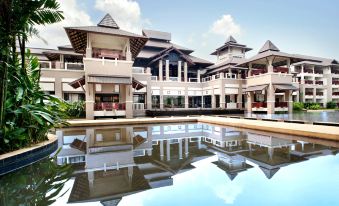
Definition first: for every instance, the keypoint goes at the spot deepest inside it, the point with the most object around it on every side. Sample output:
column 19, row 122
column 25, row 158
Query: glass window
column 194, row 101
column 174, row 101
column 155, row 101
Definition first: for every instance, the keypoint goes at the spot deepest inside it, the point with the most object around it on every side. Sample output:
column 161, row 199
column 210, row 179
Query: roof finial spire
column 268, row 46
column 231, row 39
column 108, row 21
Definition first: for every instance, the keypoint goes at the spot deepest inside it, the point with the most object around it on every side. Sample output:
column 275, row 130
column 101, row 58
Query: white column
column 167, row 70
column 160, row 70
column 180, row 148
column 161, row 149
column 186, row 147
column 179, row 71
column 168, row 150
column 185, row 72
column 250, row 69
column 250, row 99
column 270, row 65
column 198, row 76
column 89, row 47
column 270, row 99
column 222, row 94
column 288, row 64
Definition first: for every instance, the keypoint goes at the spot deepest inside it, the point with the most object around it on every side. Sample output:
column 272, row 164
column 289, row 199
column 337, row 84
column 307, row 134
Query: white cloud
column 225, row 26
column 228, row 193
column 55, row 34
column 126, row 13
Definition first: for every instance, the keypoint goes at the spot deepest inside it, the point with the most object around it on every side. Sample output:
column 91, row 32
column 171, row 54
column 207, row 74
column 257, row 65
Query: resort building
column 122, row 74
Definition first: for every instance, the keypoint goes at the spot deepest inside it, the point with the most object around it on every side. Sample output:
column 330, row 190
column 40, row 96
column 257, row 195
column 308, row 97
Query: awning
column 255, row 88
column 78, row 82
column 109, row 79
column 285, row 87
column 137, row 85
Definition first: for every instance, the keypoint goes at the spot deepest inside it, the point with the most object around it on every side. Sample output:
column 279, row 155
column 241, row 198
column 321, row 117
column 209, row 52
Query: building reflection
column 112, row 162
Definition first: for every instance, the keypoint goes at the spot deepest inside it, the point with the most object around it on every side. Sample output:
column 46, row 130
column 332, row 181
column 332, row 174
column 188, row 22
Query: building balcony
column 281, row 104
column 259, row 105
column 308, row 81
column 335, row 82
column 335, row 93
column 109, row 109
column 107, row 67
column 267, row 78
column 319, row 82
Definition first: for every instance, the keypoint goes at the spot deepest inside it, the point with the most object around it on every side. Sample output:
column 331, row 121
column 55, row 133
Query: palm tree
column 17, row 21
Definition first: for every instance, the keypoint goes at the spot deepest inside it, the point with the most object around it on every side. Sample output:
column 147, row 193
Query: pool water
column 317, row 116
column 178, row 164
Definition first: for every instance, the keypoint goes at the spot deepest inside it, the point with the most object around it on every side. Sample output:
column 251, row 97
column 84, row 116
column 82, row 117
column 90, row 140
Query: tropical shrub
column 312, row 105
column 29, row 112
column 298, row 106
column 331, row 105
column 75, row 109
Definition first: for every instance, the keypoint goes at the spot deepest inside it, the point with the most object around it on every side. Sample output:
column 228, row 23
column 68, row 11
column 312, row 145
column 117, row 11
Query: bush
column 298, row 106
column 315, row 107
column 76, row 109
column 331, row 105
column 312, row 105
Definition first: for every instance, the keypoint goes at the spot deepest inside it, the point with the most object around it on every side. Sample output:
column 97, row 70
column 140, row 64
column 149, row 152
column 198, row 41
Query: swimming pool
column 180, row 164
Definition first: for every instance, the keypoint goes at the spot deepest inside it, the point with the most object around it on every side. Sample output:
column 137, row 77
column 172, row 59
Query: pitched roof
column 152, row 34
column 268, row 46
column 231, row 42
column 108, row 21
column 231, row 39
column 107, row 26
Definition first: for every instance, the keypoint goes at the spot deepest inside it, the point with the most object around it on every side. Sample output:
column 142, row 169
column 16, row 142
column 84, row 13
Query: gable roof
column 231, row 42
column 107, row 26
column 108, row 21
column 152, row 34
column 268, row 46
column 166, row 52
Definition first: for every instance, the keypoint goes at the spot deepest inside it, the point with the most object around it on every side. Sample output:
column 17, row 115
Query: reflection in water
column 323, row 116
column 37, row 184
column 111, row 163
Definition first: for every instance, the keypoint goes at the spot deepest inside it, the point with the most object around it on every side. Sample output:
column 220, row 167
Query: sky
column 309, row 27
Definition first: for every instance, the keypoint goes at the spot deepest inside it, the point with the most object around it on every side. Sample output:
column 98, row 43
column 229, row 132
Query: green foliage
column 331, row 105
column 76, row 109
column 37, row 184
column 312, row 105
column 29, row 112
column 298, row 106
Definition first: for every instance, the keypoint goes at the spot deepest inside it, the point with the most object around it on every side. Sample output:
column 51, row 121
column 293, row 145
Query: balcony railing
column 320, row 94
column 193, row 79
column 138, row 106
column 335, row 82
column 173, row 79
column 309, row 93
column 308, row 81
column 74, row 66
column 109, row 106
column 335, row 93
column 319, row 82
column 259, row 104
column 281, row 104
column 280, row 69
column 309, row 71
column 138, row 70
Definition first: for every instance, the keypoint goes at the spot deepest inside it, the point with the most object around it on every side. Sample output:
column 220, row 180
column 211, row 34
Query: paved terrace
column 303, row 130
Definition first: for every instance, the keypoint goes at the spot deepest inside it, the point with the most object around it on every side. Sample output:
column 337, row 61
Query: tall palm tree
column 17, row 21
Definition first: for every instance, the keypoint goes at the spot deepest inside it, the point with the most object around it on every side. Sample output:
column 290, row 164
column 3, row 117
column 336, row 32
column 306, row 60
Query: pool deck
column 304, row 130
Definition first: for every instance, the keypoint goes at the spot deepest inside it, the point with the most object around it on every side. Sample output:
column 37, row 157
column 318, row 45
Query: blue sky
column 296, row 26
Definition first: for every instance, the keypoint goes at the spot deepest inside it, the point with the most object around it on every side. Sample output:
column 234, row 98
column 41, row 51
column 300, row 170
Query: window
column 194, row 101
column 174, row 101
column 155, row 101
